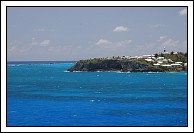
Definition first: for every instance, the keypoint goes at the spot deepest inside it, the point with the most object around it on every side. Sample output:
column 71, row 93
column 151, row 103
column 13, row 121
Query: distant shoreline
column 38, row 62
column 135, row 65
column 127, row 72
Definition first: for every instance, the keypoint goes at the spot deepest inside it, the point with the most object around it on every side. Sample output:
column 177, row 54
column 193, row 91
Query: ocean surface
column 45, row 94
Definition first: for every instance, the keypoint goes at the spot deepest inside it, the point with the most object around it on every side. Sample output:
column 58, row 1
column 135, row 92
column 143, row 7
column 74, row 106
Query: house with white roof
column 178, row 62
column 170, row 61
column 159, row 62
column 157, row 65
column 160, row 58
column 165, row 61
column 167, row 66
column 149, row 60
column 176, row 65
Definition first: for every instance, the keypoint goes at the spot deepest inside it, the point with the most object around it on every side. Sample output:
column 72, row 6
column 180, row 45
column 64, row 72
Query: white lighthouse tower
column 164, row 50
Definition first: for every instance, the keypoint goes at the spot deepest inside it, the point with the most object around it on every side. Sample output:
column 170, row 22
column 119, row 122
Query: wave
column 123, row 72
column 15, row 64
column 66, row 71
column 154, row 72
column 74, row 71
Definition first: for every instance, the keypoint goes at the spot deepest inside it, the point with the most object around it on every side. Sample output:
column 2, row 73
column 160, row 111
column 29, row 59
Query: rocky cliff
column 112, row 65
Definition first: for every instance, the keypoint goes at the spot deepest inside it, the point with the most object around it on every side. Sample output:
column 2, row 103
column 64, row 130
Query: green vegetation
column 134, row 64
column 92, row 61
column 156, row 55
column 179, row 57
column 99, row 60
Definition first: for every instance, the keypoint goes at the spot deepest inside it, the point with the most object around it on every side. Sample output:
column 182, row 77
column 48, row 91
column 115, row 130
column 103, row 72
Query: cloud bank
column 45, row 43
column 120, row 29
column 112, row 45
column 183, row 12
column 103, row 42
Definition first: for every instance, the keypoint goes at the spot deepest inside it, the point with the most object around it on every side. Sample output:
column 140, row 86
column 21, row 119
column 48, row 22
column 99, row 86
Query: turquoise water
column 44, row 94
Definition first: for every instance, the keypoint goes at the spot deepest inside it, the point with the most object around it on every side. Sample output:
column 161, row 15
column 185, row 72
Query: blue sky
column 74, row 33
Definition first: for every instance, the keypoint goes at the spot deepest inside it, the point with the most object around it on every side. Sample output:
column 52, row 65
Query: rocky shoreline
column 113, row 65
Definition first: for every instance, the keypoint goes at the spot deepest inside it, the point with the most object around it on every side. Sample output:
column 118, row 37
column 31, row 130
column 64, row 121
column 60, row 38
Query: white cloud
column 183, row 12
column 16, row 50
column 120, row 29
column 123, row 43
column 158, row 25
column 162, row 38
column 34, row 42
column 103, row 42
column 170, row 43
column 45, row 43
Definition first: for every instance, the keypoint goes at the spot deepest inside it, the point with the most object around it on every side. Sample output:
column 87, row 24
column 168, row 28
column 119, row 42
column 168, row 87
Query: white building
column 167, row 66
column 169, row 60
column 176, row 65
column 135, row 57
column 166, row 52
column 149, row 60
column 160, row 58
column 178, row 62
column 147, row 56
column 165, row 61
column 159, row 62
column 157, row 65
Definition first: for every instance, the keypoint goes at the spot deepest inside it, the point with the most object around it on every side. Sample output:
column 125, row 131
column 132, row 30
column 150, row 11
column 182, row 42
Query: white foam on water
column 15, row 64
column 77, row 71
column 92, row 100
column 98, row 92
column 122, row 72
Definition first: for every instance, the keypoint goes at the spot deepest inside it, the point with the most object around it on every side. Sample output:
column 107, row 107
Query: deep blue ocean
column 45, row 94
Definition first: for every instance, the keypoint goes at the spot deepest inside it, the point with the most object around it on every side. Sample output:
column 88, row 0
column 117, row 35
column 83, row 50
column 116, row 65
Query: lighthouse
column 164, row 50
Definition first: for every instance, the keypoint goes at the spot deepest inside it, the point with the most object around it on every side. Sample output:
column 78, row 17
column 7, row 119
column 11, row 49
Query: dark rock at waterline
column 112, row 65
